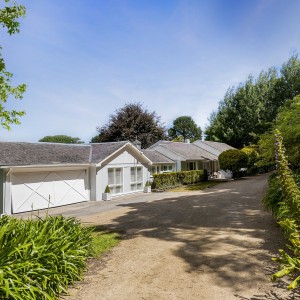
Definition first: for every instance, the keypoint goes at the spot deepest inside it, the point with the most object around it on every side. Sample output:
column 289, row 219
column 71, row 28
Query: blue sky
column 81, row 60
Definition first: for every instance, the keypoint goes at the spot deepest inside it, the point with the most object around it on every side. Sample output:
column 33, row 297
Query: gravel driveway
column 215, row 244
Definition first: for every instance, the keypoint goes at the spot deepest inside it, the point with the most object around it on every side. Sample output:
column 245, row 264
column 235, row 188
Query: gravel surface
column 215, row 244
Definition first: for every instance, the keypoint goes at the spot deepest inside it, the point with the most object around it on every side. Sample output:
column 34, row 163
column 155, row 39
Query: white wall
column 124, row 161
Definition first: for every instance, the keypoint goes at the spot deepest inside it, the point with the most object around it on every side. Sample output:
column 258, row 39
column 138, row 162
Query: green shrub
column 173, row 179
column 40, row 258
column 233, row 160
column 107, row 190
column 273, row 197
column 289, row 214
column 148, row 183
column 252, row 159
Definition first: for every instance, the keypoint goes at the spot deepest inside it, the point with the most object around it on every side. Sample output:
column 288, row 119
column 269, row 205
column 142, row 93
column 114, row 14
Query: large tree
column 9, row 16
column 64, row 139
column 132, row 122
column 288, row 123
column 186, row 128
column 249, row 110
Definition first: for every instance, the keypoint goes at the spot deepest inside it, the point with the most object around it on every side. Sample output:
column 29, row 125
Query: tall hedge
column 168, row 180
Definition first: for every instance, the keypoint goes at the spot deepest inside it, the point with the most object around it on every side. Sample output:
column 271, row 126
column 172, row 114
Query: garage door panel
column 34, row 189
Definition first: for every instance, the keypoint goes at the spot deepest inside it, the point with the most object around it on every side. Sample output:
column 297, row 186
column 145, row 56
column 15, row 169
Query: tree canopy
column 249, row 110
column 64, row 139
column 9, row 16
column 132, row 122
column 288, row 123
column 184, row 127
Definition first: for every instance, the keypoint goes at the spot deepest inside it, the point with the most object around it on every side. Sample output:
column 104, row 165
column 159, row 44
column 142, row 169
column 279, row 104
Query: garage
column 39, row 190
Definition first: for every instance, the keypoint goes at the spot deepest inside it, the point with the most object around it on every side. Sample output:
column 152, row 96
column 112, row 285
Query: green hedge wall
column 168, row 180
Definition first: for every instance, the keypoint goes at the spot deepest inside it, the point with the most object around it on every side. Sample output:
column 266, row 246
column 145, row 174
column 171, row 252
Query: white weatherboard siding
column 33, row 190
column 129, row 183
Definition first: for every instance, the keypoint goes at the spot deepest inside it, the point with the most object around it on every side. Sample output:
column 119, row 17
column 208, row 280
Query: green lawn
column 104, row 240
column 195, row 187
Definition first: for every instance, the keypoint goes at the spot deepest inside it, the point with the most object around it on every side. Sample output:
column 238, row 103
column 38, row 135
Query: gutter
column 44, row 166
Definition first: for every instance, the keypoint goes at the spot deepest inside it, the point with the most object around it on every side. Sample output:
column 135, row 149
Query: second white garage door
column 38, row 190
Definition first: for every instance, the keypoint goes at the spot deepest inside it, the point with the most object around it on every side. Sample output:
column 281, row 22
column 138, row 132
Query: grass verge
column 103, row 241
column 195, row 187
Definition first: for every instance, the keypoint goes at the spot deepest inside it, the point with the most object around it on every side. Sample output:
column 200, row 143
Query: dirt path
column 213, row 245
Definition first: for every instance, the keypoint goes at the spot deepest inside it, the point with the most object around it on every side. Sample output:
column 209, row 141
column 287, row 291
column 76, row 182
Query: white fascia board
column 46, row 167
column 139, row 155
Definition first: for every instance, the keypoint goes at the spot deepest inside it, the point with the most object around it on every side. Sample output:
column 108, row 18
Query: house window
column 115, row 180
column 154, row 170
column 136, row 178
column 167, row 168
column 206, row 165
column 191, row 165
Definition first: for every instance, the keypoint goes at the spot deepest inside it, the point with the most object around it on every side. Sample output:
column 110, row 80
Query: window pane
column 132, row 174
column 110, row 176
column 139, row 174
column 118, row 179
column 139, row 186
column 133, row 187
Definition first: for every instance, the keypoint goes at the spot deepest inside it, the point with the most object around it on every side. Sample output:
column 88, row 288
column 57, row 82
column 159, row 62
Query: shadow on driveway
column 224, row 232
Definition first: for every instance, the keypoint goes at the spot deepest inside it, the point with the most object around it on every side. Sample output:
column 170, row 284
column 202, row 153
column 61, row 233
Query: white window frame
column 194, row 163
column 167, row 168
column 154, row 170
column 136, row 182
column 115, row 185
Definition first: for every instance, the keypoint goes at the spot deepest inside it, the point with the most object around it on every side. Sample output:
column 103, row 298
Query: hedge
column 168, row 180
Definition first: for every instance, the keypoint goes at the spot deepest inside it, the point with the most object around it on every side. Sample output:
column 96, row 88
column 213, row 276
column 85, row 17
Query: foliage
column 103, row 241
column 173, row 179
column 249, row 110
column 195, row 187
column 233, row 160
column 252, row 159
column 148, row 183
column 132, row 122
column 64, row 139
column 290, row 190
column 186, row 128
column 288, row 122
column 289, row 214
column 107, row 190
column 273, row 197
column 39, row 258
column 9, row 16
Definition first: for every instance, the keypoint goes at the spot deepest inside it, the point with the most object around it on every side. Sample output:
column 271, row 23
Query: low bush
column 40, row 258
column 169, row 180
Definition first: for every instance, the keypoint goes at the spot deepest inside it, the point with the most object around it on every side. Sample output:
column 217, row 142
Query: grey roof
column 100, row 151
column 23, row 154
column 156, row 157
column 160, row 142
column 214, row 147
column 189, row 151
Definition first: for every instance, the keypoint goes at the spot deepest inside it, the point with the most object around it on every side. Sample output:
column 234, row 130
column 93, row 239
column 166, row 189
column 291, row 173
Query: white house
column 40, row 175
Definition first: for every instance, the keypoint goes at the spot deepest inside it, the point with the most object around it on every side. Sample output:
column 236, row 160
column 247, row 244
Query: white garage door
column 38, row 190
